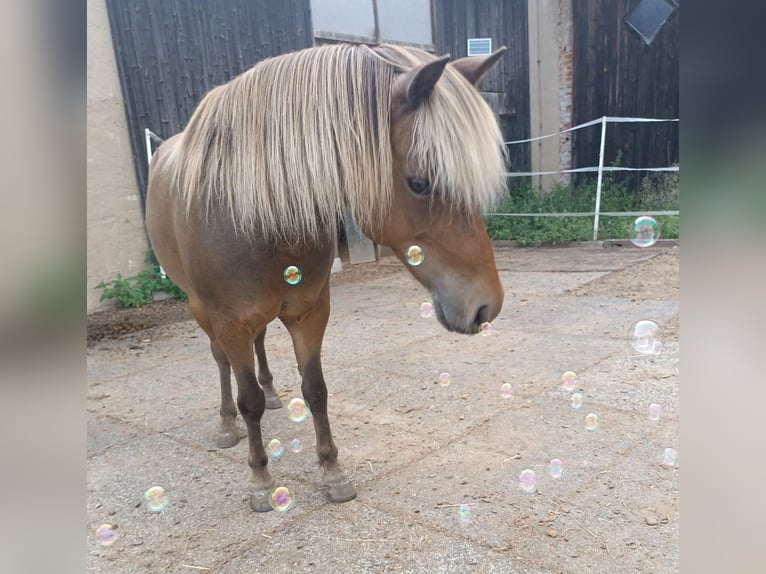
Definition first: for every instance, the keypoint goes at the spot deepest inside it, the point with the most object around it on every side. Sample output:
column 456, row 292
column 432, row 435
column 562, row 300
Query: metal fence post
column 148, row 141
column 598, row 181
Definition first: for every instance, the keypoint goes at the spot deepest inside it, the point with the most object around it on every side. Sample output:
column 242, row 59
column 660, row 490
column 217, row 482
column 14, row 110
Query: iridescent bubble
column 415, row 255
column 485, row 329
column 527, row 480
column 295, row 445
column 464, row 513
column 506, row 391
column 645, row 231
column 643, row 337
column 426, row 309
column 669, row 457
column 654, row 412
column 576, row 400
column 105, row 535
column 275, row 449
column 591, row 422
column 568, row 380
column 156, row 499
column 555, row 468
column 444, row 379
column 292, row 275
column 281, row 499
column 297, row 410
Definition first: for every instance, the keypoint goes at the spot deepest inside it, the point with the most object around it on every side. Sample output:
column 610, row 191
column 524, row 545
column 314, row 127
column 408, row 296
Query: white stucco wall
column 116, row 238
column 550, row 85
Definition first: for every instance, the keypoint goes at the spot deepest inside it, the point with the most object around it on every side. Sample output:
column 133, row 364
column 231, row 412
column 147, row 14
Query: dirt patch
column 653, row 279
column 112, row 323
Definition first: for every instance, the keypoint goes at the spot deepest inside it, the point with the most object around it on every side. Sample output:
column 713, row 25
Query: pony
column 242, row 207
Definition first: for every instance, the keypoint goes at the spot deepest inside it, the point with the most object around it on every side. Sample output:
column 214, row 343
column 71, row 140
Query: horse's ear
column 418, row 83
column 473, row 68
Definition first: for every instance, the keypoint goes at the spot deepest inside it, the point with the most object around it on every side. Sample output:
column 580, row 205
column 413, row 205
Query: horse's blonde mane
column 288, row 145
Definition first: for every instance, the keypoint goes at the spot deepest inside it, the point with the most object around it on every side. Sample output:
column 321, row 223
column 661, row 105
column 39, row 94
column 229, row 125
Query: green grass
column 139, row 290
column 658, row 192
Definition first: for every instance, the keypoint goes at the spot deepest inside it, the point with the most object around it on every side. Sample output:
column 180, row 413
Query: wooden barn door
column 616, row 74
column 506, row 87
column 170, row 53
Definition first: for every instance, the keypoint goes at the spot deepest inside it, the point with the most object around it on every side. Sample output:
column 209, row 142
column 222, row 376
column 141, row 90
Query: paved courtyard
column 417, row 449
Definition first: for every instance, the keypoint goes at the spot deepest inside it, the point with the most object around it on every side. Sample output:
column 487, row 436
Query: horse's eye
column 419, row 185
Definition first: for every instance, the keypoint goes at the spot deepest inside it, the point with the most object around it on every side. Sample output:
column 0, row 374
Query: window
column 406, row 21
column 373, row 21
column 344, row 19
column 648, row 17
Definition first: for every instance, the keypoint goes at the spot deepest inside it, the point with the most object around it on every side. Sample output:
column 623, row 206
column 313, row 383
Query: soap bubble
column 669, row 457
column 275, row 449
column 464, row 513
column 654, row 412
column 105, row 535
column 591, row 422
column 506, row 391
column 645, row 231
column 292, row 275
column 568, row 380
column 295, row 445
column 281, row 499
column 444, row 379
column 426, row 309
column 556, row 468
column 415, row 255
column 156, row 499
column 485, row 329
column 527, row 480
column 297, row 410
column 643, row 337
column 576, row 400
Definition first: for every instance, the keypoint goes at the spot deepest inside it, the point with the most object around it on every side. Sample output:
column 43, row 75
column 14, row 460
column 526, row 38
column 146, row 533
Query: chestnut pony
column 242, row 205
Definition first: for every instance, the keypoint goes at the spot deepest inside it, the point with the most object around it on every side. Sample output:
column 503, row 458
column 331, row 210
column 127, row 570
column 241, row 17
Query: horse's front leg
column 265, row 377
column 307, row 331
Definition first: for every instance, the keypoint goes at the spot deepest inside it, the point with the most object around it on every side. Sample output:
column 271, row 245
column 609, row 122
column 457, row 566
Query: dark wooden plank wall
column 616, row 74
column 171, row 52
column 507, row 86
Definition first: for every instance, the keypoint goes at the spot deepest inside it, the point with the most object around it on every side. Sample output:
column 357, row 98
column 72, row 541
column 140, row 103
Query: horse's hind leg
column 307, row 332
column 228, row 435
column 237, row 343
column 264, row 374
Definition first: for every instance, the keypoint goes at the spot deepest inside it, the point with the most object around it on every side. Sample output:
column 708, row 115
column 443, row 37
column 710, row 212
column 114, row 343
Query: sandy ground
column 417, row 450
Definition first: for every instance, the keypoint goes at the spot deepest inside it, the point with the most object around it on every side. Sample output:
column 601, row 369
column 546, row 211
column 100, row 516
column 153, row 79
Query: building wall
column 550, row 86
column 116, row 238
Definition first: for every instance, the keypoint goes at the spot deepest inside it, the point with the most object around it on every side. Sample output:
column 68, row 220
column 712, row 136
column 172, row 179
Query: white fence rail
column 600, row 169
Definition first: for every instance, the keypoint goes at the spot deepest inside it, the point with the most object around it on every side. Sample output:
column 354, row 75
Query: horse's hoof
column 227, row 439
column 259, row 501
column 273, row 402
column 341, row 491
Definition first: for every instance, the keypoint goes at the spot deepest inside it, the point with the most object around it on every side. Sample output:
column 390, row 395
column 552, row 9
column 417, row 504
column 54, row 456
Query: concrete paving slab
column 415, row 448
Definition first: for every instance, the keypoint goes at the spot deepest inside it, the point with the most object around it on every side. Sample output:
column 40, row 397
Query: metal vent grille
column 479, row 46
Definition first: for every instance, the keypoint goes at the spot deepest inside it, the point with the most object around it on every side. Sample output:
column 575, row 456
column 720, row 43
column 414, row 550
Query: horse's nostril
column 481, row 315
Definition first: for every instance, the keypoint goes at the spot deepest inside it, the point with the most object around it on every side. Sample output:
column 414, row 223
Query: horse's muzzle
column 456, row 320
